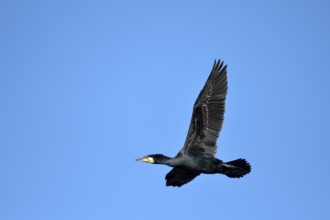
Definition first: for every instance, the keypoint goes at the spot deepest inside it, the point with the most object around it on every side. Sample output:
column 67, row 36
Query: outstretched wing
column 180, row 176
column 208, row 114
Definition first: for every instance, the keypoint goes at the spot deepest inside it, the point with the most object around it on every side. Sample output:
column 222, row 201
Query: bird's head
column 154, row 158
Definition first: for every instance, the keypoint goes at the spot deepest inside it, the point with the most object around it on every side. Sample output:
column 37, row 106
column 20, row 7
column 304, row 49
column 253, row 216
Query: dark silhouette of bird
column 197, row 155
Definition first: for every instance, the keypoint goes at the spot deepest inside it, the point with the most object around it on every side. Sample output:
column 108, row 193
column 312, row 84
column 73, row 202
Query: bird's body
column 197, row 154
column 209, row 165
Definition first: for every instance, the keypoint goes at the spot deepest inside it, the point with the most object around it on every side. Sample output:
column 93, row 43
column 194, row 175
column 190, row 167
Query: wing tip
column 219, row 65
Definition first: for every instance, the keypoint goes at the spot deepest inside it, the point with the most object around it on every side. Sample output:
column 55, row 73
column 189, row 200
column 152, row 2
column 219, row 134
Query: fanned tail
column 236, row 168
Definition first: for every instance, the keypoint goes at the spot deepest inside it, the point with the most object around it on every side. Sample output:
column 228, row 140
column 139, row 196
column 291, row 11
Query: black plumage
column 197, row 154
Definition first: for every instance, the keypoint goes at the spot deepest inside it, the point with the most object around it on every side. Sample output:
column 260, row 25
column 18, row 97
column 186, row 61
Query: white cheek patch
column 149, row 160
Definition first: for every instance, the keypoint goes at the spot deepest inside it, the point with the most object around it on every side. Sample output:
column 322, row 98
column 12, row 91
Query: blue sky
column 88, row 86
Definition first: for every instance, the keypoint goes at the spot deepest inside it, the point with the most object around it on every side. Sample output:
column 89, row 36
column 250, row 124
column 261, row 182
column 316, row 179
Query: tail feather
column 236, row 168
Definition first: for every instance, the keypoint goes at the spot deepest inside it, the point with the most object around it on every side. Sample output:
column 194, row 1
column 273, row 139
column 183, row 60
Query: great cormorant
column 197, row 154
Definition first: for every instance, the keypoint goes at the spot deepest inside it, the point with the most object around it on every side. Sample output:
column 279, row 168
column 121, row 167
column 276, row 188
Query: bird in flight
column 197, row 155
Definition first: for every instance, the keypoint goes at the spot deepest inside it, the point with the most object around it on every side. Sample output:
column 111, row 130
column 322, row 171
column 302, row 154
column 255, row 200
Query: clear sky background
column 88, row 86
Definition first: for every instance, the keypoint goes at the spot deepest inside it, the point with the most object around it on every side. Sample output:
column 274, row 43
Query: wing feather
column 180, row 176
column 208, row 113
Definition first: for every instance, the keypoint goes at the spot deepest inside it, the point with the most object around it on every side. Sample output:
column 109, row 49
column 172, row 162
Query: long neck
column 165, row 160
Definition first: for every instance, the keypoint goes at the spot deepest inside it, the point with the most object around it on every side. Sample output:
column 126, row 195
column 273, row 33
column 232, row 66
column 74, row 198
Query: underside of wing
column 208, row 113
column 180, row 176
